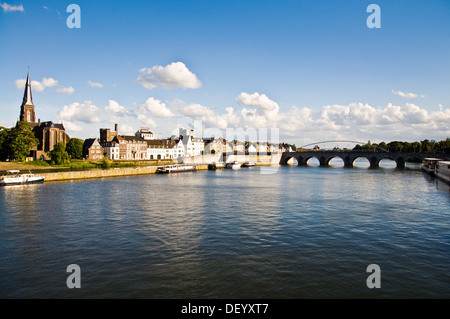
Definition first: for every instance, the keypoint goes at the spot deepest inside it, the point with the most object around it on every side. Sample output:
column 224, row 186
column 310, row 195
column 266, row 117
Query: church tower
column 27, row 113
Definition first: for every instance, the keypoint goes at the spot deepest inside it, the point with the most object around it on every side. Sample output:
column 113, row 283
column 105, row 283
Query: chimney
column 39, row 122
column 116, row 127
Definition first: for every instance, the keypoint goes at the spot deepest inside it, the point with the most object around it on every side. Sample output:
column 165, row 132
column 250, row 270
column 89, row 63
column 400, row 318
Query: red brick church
column 48, row 133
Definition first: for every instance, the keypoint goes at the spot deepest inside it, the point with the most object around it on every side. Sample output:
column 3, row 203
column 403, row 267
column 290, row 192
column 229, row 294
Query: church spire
column 27, row 108
column 27, row 97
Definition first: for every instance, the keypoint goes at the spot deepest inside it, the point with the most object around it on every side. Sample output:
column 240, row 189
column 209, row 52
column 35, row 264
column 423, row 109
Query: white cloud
column 407, row 95
column 116, row 108
column 146, row 120
column 126, row 129
column 355, row 121
column 95, row 84
column 10, row 8
column 85, row 112
column 68, row 90
column 36, row 85
column 260, row 101
column 71, row 127
column 174, row 75
column 156, row 108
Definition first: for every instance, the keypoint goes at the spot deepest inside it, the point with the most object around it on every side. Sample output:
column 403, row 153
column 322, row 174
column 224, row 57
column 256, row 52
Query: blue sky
column 313, row 69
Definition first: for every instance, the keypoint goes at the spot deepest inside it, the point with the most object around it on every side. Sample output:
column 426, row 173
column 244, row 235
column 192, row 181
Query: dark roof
column 163, row 143
column 88, row 142
column 129, row 138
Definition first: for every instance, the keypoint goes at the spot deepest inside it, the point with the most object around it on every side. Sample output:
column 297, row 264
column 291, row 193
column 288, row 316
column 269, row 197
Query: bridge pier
column 374, row 162
column 348, row 162
column 400, row 162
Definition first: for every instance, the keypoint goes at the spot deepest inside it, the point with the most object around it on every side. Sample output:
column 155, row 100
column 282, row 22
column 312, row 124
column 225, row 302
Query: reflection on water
column 302, row 232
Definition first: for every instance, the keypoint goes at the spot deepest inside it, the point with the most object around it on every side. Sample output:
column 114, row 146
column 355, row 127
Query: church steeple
column 27, row 108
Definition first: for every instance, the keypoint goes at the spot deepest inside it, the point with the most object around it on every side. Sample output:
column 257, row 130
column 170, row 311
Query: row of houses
column 145, row 146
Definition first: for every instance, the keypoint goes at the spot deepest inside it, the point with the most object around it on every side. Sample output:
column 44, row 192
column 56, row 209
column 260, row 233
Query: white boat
column 13, row 177
column 234, row 165
column 214, row 166
column 248, row 164
column 176, row 168
column 442, row 170
column 429, row 164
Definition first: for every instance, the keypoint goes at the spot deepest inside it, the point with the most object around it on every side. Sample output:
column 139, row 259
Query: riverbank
column 104, row 173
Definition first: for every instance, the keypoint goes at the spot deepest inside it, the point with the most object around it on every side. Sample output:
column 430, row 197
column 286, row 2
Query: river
column 300, row 232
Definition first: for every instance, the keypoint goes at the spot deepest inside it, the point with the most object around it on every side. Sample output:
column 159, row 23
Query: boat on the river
column 234, row 165
column 214, row 166
column 429, row 164
column 248, row 164
column 13, row 177
column 176, row 168
column 442, row 170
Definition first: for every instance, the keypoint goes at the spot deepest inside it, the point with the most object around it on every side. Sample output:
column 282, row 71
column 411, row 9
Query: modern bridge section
column 349, row 157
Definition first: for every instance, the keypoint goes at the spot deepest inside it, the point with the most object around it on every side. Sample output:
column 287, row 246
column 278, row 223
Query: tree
column 59, row 154
column 19, row 141
column 75, row 148
column 3, row 145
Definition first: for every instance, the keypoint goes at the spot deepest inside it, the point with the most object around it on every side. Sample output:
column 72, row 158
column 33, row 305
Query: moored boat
column 429, row 164
column 176, row 168
column 234, row 165
column 13, row 177
column 248, row 164
column 442, row 170
column 214, row 166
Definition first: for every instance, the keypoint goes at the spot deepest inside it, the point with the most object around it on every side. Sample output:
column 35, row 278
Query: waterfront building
column 193, row 146
column 92, row 150
column 111, row 150
column 213, row 145
column 47, row 133
column 106, row 135
column 250, row 147
column 164, row 149
column 145, row 133
column 131, row 147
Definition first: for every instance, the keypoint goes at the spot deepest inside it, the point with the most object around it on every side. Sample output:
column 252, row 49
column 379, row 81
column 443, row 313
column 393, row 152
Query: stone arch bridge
column 349, row 157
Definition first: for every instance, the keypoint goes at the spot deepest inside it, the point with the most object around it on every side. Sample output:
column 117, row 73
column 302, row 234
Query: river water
column 300, row 232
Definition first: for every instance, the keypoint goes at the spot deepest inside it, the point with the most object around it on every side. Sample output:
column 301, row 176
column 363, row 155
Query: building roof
column 161, row 143
column 89, row 142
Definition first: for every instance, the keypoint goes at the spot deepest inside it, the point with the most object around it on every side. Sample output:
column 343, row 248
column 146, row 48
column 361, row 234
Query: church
column 48, row 133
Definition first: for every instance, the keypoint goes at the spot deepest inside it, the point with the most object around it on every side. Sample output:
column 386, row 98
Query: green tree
column 18, row 141
column 59, row 154
column 3, row 145
column 75, row 148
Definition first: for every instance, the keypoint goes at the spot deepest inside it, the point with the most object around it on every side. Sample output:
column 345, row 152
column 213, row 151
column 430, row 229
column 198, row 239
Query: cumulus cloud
column 156, row 108
column 72, row 127
column 10, row 8
column 66, row 90
column 204, row 113
column 85, row 112
column 95, row 84
column 355, row 121
column 36, row 85
column 174, row 75
column 260, row 101
column 407, row 95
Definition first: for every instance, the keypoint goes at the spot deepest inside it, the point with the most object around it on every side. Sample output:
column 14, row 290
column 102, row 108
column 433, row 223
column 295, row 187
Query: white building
column 111, row 150
column 164, row 149
column 192, row 145
column 145, row 133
